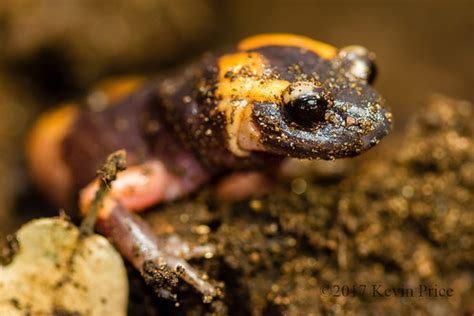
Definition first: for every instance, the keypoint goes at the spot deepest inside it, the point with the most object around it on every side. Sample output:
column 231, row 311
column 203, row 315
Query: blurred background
column 54, row 50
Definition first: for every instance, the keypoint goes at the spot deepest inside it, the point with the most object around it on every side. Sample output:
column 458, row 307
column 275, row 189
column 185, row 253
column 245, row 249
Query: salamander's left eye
column 358, row 62
column 304, row 104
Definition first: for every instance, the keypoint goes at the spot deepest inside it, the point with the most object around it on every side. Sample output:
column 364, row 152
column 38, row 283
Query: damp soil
column 394, row 234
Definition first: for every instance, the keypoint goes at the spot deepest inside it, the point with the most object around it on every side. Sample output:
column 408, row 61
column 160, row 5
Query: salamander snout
column 305, row 104
column 333, row 119
column 319, row 124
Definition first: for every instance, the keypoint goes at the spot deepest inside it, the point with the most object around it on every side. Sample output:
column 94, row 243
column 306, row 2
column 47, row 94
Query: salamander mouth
column 346, row 131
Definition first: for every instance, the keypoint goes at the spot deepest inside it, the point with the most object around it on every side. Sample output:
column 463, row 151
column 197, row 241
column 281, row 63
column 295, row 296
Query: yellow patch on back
column 324, row 50
column 244, row 78
column 247, row 76
column 118, row 88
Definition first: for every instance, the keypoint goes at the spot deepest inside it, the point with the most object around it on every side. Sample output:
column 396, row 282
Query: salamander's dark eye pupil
column 305, row 111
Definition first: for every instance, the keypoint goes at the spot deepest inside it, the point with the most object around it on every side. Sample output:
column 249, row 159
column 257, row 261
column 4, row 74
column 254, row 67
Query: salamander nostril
column 305, row 111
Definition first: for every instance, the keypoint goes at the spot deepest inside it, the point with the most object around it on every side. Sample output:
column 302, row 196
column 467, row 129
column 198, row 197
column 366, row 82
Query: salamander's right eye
column 358, row 62
column 305, row 104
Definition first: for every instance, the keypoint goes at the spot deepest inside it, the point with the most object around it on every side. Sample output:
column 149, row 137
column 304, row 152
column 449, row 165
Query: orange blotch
column 242, row 76
column 118, row 88
column 44, row 152
column 324, row 50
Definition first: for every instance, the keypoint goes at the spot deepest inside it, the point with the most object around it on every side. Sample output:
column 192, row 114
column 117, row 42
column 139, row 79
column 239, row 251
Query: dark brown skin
column 350, row 117
column 271, row 97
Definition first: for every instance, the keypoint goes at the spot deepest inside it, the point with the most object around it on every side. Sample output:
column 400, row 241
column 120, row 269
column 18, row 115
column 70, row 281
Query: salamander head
column 293, row 96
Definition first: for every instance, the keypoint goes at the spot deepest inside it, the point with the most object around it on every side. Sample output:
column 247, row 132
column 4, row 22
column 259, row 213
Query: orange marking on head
column 242, row 76
column 248, row 63
column 324, row 50
column 243, row 79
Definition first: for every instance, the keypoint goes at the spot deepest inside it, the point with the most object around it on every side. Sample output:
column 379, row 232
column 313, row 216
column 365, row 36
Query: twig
column 115, row 163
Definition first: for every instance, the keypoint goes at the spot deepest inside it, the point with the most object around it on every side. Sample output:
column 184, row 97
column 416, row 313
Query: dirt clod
column 161, row 278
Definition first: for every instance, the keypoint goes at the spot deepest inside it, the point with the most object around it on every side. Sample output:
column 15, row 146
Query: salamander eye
column 304, row 104
column 358, row 62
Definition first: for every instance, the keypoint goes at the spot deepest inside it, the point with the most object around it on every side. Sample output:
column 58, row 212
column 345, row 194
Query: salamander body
column 271, row 96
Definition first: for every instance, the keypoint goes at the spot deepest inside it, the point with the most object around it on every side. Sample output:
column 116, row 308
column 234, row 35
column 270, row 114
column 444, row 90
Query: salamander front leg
column 135, row 240
column 159, row 260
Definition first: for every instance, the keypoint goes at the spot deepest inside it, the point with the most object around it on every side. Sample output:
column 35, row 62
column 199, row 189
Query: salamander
column 248, row 107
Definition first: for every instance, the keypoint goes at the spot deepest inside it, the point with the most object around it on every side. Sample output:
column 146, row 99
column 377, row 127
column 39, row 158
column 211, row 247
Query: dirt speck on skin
column 402, row 221
column 159, row 277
